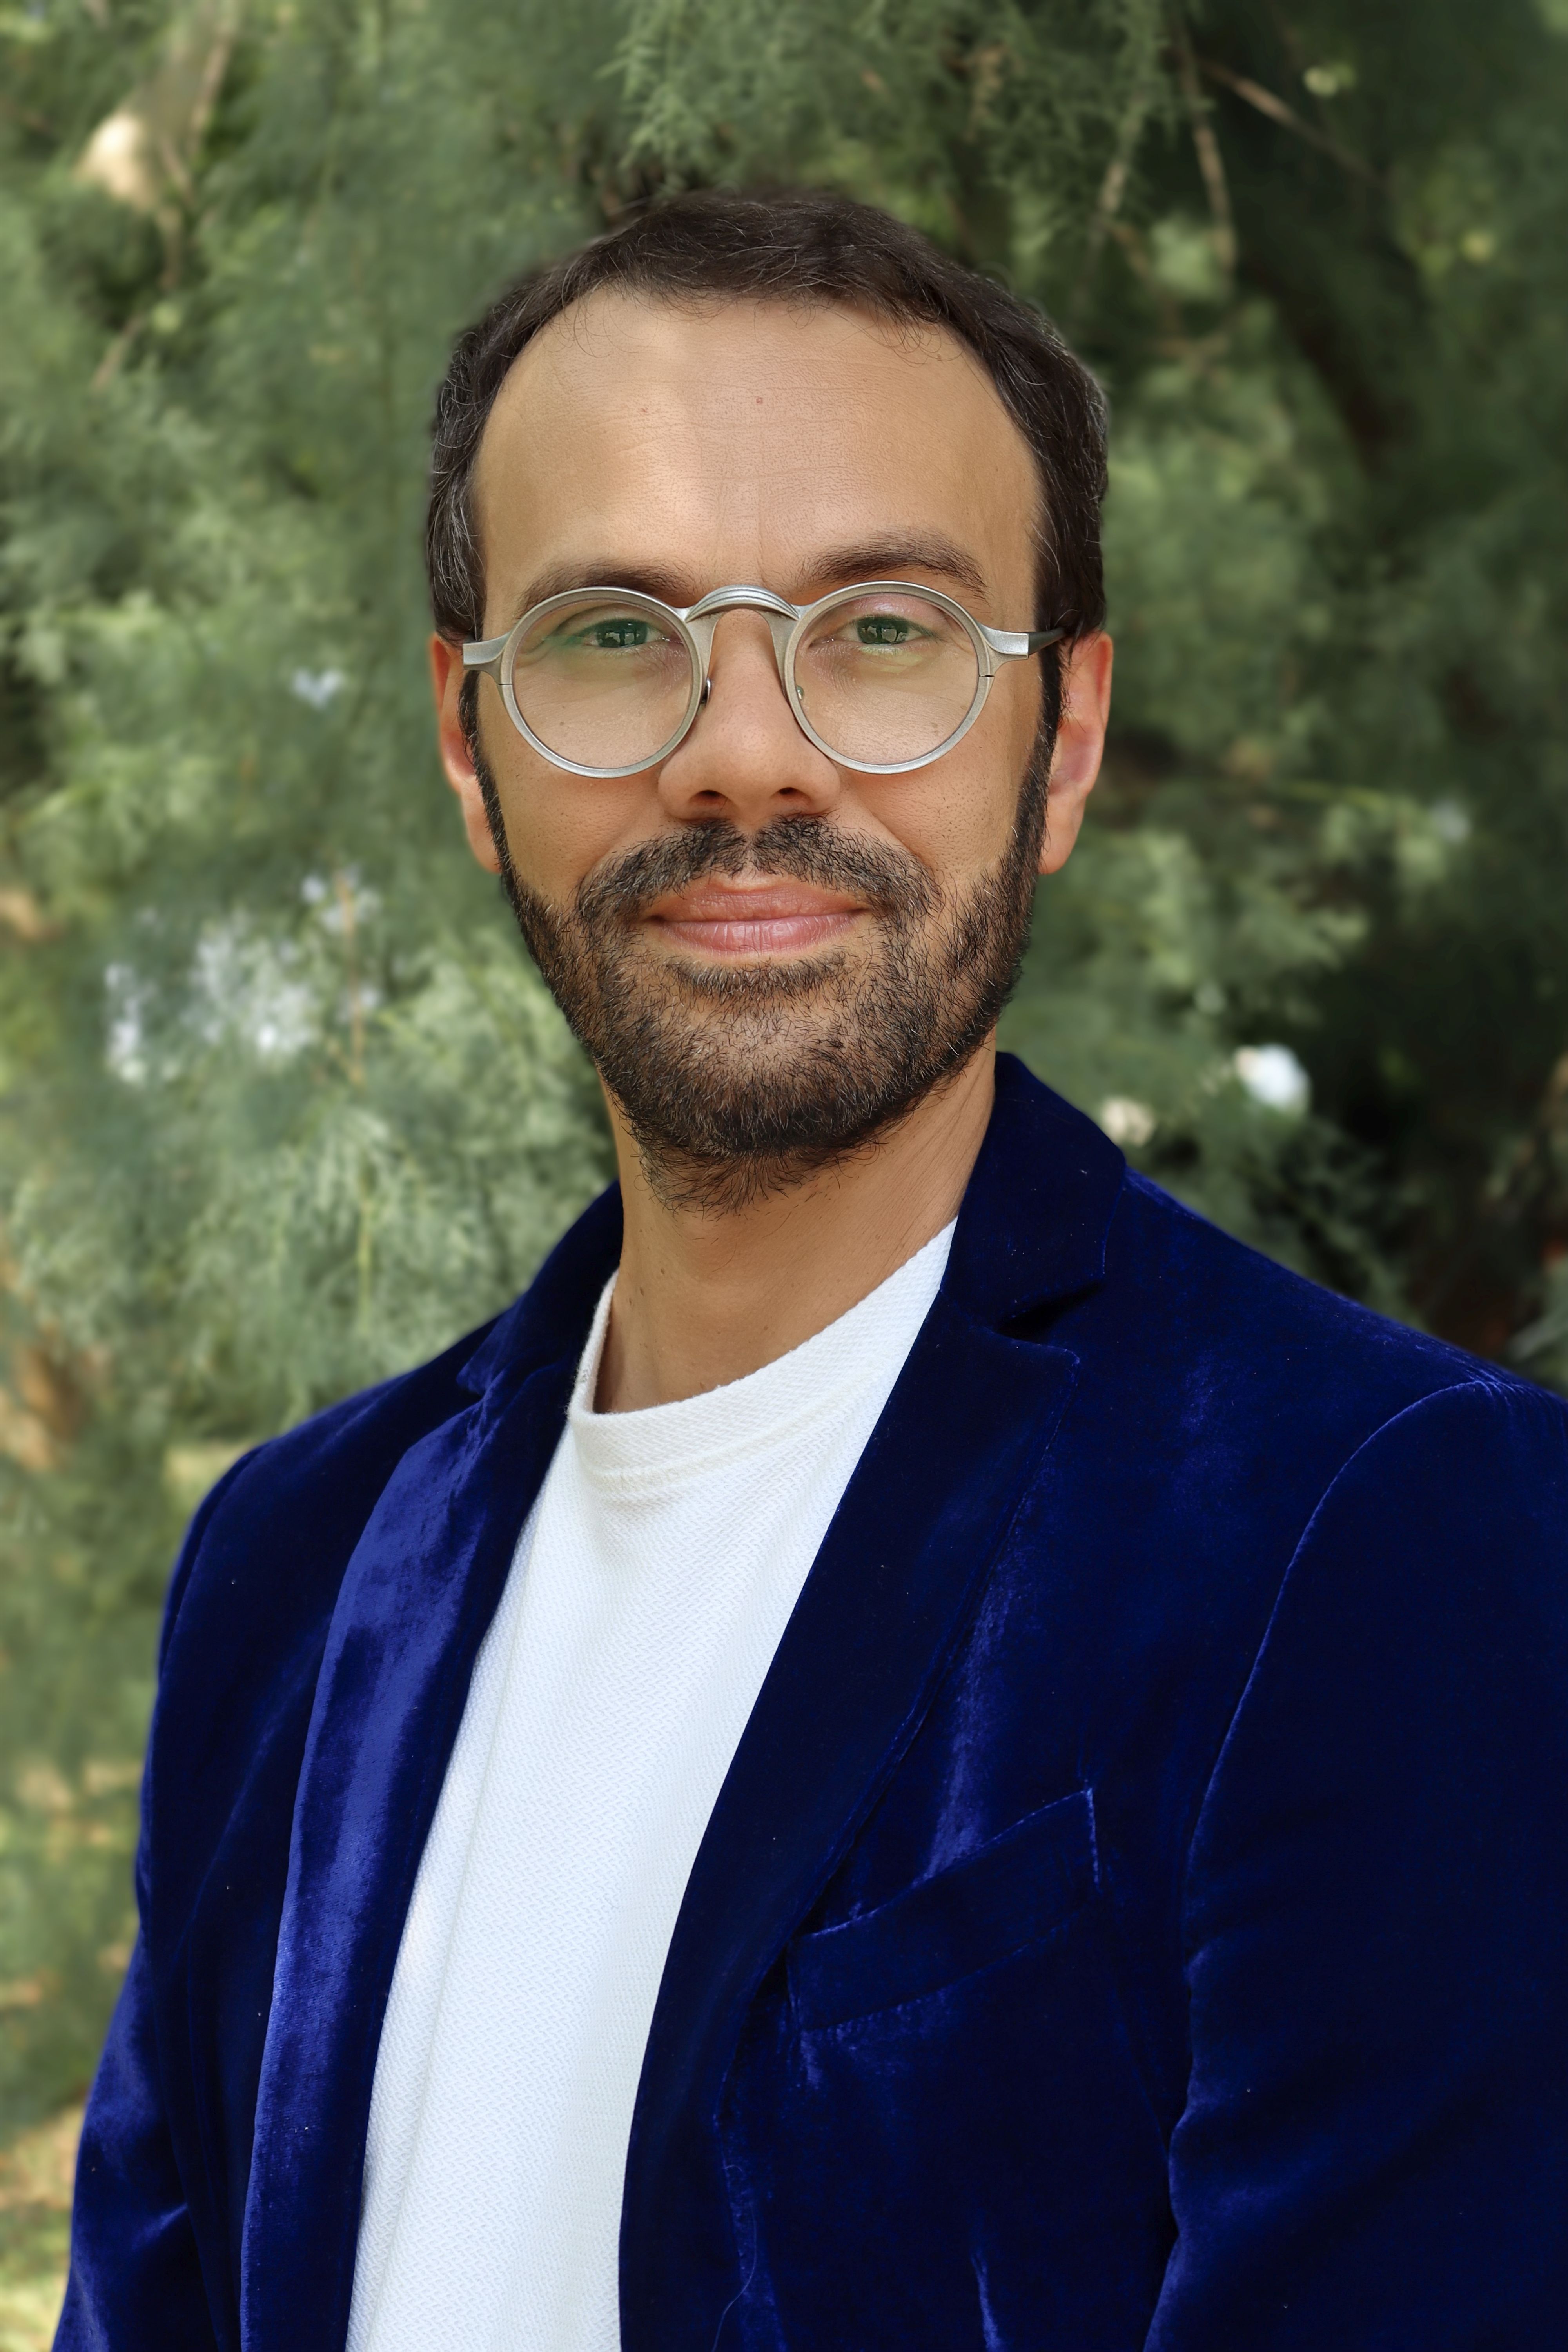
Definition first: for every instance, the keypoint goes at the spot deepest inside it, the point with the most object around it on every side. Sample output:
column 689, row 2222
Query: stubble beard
column 739, row 1082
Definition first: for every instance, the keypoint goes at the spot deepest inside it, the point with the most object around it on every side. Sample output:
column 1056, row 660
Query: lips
column 723, row 918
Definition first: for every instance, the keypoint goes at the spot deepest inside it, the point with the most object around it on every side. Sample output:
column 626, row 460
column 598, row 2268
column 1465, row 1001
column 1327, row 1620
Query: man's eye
column 616, row 636
column 882, row 629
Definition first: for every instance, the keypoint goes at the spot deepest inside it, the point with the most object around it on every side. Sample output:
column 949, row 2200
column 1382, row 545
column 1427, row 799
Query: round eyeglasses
column 883, row 677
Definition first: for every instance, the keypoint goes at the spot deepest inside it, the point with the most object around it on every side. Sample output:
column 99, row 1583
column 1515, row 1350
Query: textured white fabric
column 648, row 1594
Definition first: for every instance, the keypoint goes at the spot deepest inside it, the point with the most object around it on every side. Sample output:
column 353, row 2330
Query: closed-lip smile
column 732, row 917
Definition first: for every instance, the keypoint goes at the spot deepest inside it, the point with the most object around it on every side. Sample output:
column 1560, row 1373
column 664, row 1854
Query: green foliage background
column 282, row 1108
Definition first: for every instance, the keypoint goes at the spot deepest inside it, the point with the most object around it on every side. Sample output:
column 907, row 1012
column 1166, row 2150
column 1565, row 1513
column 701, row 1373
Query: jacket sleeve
column 135, row 2272
column 1375, row 2146
column 135, row 2279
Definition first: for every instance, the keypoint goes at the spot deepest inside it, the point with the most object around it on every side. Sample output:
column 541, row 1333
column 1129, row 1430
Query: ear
column 1080, row 741
column 446, row 676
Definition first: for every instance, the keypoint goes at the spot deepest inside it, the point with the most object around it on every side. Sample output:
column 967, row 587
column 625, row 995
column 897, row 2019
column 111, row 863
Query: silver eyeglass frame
column 787, row 624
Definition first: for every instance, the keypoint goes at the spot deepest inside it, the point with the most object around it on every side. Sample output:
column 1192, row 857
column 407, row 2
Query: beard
column 741, row 1082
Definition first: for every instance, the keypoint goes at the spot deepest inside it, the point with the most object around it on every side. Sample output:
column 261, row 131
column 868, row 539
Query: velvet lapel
column 418, row 1594
column 891, row 1591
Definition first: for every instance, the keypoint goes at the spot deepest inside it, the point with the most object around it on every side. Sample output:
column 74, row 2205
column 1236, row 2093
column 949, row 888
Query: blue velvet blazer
column 1135, row 1913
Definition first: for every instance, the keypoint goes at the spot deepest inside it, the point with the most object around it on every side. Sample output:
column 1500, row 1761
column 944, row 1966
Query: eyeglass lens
column 605, row 685
column 880, row 678
column 883, row 678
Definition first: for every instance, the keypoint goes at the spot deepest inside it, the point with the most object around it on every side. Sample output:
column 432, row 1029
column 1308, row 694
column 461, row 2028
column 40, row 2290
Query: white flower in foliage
column 1273, row 1077
column 1127, row 1121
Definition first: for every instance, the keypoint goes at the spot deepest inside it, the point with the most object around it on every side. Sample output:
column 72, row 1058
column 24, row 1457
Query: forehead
column 733, row 441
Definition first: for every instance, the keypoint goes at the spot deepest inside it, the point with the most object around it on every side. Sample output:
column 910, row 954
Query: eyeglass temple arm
column 483, row 653
column 1012, row 644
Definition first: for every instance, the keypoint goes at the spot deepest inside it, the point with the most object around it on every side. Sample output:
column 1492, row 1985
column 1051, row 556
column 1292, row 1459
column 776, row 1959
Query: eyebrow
column 670, row 587
column 879, row 559
column 890, row 559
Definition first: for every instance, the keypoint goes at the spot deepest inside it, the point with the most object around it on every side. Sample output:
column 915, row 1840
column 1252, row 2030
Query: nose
column 745, row 759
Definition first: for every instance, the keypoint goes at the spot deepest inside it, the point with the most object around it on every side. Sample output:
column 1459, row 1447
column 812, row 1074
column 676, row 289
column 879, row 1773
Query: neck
column 707, row 1295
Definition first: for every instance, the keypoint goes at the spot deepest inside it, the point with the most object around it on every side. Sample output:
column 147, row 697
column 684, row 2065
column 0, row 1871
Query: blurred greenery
column 37, row 2169
column 282, row 1107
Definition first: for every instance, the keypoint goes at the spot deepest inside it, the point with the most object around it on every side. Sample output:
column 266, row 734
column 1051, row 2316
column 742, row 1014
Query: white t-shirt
column 650, row 1587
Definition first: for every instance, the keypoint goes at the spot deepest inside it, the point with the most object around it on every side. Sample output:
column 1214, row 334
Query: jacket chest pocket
column 1013, row 1890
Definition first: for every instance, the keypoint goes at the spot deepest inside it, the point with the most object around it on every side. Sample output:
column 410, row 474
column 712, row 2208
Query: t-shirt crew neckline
column 657, row 1446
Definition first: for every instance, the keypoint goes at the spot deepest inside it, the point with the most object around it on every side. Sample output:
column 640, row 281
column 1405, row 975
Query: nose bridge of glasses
column 703, row 617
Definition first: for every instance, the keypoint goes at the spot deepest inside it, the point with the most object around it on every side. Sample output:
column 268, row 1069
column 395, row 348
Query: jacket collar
column 1037, row 1213
column 536, row 1329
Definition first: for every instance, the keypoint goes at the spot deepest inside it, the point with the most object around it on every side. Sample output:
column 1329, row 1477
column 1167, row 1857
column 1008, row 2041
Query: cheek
column 559, row 827
column 957, row 818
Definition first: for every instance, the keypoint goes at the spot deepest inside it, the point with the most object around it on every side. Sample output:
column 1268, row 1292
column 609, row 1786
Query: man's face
column 770, row 957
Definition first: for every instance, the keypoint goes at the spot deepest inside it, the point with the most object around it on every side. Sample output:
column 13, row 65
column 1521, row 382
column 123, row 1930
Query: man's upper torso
column 1135, row 1912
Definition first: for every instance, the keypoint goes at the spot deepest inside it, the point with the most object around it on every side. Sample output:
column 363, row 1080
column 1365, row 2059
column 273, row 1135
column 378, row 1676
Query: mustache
column 892, row 882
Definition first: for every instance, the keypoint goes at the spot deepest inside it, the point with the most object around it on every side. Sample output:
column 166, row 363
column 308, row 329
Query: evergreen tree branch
column 1210, row 161
column 1265, row 102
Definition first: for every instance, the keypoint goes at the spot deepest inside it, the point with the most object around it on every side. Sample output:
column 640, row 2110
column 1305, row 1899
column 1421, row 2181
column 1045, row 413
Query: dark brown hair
column 799, row 245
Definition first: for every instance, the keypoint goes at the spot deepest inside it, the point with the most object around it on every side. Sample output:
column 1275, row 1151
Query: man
column 914, row 1749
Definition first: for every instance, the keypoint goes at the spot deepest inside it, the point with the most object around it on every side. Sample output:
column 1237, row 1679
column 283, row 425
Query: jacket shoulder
column 249, row 1608
column 1229, row 1296
column 1221, row 1400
